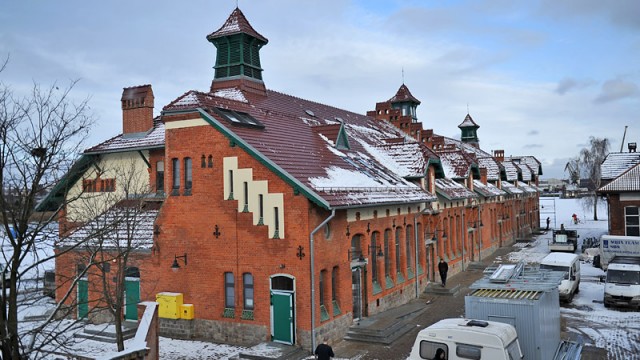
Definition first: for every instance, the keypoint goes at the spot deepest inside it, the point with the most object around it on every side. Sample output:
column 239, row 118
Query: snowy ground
column 586, row 317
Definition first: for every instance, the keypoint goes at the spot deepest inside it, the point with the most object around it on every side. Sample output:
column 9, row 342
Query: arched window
column 387, row 254
column 409, row 248
column 398, row 252
column 373, row 254
column 229, row 291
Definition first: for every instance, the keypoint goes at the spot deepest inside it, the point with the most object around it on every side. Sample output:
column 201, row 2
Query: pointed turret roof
column 468, row 122
column 237, row 23
column 404, row 95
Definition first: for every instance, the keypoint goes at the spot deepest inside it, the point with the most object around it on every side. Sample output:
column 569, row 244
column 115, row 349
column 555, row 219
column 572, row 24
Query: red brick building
column 287, row 219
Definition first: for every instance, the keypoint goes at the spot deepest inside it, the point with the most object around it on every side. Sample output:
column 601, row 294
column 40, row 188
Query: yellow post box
column 169, row 305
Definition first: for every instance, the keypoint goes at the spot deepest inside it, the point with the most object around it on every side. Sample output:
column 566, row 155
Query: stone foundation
column 215, row 331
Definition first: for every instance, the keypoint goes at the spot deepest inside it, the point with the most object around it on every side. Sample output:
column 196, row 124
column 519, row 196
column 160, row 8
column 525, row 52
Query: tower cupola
column 406, row 102
column 469, row 131
column 238, row 55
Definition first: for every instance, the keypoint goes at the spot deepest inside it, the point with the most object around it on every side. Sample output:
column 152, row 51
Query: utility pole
column 623, row 136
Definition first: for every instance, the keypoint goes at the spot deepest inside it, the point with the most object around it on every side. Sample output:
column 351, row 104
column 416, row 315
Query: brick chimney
column 137, row 109
column 499, row 155
column 483, row 175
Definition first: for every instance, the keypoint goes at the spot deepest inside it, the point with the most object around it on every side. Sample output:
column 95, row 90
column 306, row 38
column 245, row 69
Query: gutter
column 313, row 278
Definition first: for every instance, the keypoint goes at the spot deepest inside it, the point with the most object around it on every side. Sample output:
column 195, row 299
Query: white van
column 467, row 339
column 570, row 264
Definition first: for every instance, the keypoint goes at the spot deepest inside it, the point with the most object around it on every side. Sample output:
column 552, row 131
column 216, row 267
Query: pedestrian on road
column 440, row 354
column 443, row 267
column 548, row 222
column 324, row 351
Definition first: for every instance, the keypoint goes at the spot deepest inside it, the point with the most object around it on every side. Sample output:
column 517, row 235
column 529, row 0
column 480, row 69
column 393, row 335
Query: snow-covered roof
column 487, row 190
column 127, row 224
column 526, row 188
column 343, row 158
column 455, row 162
column 531, row 161
column 510, row 188
column 617, row 163
column 483, row 158
column 152, row 139
column 511, row 170
column 236, row 23
column 468, row 122
column 451, row 190
column 627, row 181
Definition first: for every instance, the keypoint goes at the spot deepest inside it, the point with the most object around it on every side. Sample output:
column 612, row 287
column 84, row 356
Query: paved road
column 438, row 307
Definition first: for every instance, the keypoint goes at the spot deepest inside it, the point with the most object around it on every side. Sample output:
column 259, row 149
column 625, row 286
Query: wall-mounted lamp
column 368, row 228
column 394, row 223
column 377, row 249
column 348, row 233
column 175, row 266
column 216, row 232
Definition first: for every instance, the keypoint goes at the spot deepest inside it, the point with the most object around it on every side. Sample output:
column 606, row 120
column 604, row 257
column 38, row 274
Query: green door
column 83, row 298
column 282, row 317
column 131, row 298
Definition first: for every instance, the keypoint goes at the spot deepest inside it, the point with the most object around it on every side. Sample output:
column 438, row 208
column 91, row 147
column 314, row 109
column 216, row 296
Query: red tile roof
column 402, row 95
column 236, row 23
column 299, row 138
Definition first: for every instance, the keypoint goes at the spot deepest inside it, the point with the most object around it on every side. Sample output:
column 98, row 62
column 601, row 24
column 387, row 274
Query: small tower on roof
column 469, row 131
column 406, row 102
column 238, row 55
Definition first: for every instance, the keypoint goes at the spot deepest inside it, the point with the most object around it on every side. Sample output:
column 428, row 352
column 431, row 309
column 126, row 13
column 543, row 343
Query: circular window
column 327, row 231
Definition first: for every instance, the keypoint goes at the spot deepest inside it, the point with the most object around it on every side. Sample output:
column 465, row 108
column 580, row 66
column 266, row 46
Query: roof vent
column 632, row 147
column 478, row 323
column 310, row 113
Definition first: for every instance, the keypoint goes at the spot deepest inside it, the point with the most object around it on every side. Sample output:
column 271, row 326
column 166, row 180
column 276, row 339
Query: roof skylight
column 238, row 118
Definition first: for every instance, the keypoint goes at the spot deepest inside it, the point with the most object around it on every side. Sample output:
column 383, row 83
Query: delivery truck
column 617, row 245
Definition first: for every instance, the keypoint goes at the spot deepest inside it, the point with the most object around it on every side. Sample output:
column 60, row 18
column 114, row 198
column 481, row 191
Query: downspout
column 415, row 230
column 313, row 279
column 463, row 231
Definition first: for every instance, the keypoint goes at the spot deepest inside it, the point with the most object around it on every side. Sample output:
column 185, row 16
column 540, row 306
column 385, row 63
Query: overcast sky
column 539, row 77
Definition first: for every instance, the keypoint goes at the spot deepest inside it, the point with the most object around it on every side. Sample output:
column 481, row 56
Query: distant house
column 286, row 219
column 623, row 197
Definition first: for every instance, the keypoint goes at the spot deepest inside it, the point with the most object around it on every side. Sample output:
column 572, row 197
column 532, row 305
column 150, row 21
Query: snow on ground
column 616, row 330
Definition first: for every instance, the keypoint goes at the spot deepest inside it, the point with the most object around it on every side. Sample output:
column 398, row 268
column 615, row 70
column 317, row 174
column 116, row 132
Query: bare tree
column 40, row 135
column 591, row 160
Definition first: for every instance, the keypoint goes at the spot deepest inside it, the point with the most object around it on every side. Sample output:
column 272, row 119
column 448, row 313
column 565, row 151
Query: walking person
column 443, row 267
column 548, row 222
column 324, row 351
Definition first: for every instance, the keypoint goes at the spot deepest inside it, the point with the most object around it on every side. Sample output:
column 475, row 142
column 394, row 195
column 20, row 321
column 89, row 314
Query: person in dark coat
column 548, row 222
column 443, row 267
column 440, row 354
column 324, row 351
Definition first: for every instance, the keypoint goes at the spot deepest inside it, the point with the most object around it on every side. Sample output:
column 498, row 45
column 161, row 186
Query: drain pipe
column 415, row 230
column 313, row 279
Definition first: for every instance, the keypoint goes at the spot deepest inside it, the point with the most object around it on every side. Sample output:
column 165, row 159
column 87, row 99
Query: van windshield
column 623, row 277
column 556, row 268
